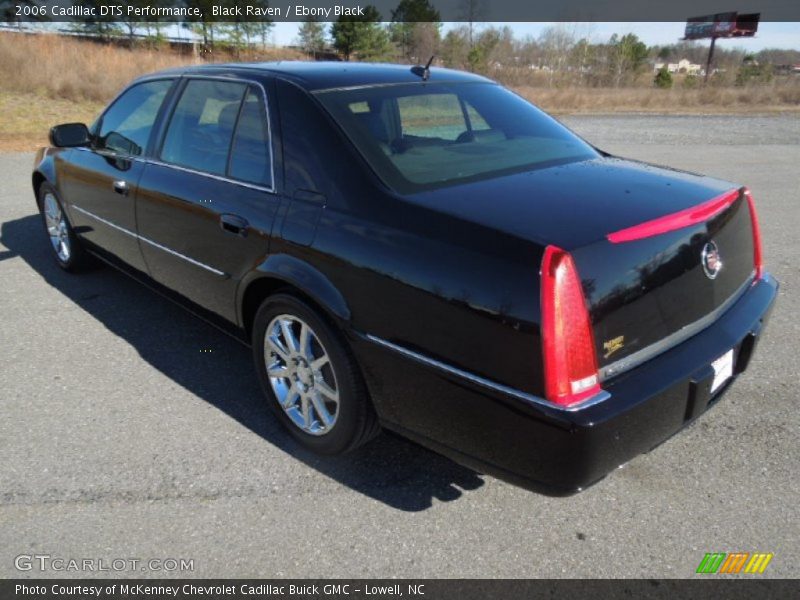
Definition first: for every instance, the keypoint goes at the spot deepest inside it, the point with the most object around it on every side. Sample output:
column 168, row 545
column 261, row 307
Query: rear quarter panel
column 456, row 291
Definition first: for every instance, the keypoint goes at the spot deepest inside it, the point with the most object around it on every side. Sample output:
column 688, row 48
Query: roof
column 315, row 76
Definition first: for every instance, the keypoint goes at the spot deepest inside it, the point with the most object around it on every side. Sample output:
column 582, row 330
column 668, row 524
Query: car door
column 100, row 182
column 206, row 201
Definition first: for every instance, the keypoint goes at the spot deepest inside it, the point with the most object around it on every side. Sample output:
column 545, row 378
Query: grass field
column 25, row 118
column 48, row 79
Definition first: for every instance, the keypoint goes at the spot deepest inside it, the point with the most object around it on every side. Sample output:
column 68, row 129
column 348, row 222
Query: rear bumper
column 559, row 451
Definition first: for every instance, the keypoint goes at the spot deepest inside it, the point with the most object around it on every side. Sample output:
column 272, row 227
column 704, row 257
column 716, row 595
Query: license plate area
column 723, row 370
column 709, row 383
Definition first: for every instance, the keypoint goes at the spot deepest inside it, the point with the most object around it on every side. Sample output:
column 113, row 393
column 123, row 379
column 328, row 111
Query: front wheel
column 67, row 249
column 310, row 377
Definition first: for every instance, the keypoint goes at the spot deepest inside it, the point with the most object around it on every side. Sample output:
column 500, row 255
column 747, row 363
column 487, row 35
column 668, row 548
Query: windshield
column 422, row 136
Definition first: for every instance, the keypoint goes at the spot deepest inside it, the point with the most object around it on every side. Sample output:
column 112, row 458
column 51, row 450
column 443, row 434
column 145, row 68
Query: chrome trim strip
column 673, row 339
column 184, row 257
column 104, row 221
column 151, row 242
column 486, row 383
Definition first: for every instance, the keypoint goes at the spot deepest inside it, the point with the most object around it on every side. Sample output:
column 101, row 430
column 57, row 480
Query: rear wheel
column 67, row 249
column 310, row 377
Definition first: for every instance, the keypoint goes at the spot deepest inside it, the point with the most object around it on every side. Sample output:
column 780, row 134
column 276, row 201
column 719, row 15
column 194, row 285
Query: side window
column 125, row 127
column 250, row 153
column 431, row 116
column 201, row 128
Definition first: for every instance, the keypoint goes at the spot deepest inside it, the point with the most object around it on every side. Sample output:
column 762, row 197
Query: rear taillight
column 570, row 361
column 758, row 258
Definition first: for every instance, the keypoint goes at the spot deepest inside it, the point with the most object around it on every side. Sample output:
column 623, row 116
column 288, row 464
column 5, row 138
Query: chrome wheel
column 57, row 228
column 301, row 374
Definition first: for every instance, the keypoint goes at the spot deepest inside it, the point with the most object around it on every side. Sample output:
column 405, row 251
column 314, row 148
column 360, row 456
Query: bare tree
column 472, row 11
column 556, row 43
column 312, row 36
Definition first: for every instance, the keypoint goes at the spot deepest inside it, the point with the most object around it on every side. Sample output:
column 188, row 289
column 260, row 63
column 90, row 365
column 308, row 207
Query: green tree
column 628, row 55
column 374, row 44
column 487, row 48
column 361, row 35
column 476, row 59
column 663, row 78
column 454, row 49
column 312, row 36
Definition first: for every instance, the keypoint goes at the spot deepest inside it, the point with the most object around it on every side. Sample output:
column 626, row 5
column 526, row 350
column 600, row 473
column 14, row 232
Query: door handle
column 121, row 187
column 234, row 224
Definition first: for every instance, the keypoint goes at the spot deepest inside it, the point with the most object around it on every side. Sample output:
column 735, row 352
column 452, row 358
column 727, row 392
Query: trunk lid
column 650, row 294
column 644, row 295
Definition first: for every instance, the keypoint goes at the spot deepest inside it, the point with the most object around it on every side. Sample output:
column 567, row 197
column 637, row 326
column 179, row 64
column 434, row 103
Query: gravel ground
column 121, row 438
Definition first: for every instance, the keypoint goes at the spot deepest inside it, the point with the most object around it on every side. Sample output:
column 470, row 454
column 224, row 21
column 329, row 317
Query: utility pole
column 710, row 58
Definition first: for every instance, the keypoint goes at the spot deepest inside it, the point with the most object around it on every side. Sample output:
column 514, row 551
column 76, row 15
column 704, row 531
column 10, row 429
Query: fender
column 43, row 167
column 300, row 274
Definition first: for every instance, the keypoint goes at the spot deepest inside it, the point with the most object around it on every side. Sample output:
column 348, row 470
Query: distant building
column 682, row 66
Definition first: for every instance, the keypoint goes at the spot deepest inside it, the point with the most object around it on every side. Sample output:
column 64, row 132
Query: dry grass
column 62, row 67
column 779, row 97
column 25, row 118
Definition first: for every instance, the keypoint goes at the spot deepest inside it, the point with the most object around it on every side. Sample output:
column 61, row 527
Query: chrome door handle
column 234, row 224
column 121, row 187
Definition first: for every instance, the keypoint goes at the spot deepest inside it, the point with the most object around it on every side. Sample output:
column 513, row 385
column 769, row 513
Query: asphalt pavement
column 131, row 429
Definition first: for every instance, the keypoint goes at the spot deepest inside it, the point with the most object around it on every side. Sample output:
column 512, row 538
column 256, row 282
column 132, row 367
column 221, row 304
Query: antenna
column 424, row 72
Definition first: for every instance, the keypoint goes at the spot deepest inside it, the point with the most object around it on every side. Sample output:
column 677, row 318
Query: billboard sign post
column 720, row 25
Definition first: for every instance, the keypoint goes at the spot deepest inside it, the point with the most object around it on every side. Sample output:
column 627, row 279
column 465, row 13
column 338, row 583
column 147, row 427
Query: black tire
column 356, row 422
column 77, row 259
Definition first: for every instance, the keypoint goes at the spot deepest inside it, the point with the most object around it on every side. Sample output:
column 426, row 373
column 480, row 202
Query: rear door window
column 251, row 159
column 201, row 129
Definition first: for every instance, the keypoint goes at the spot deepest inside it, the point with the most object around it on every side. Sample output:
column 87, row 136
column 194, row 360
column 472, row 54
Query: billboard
column 729, row 24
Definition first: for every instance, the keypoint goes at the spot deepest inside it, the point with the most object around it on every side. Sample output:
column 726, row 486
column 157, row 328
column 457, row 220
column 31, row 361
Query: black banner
column 391, row 10
column 422, row 589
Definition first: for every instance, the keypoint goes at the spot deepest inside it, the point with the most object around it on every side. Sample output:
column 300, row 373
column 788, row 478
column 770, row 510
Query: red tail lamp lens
column 570, row 361
column 758, row 257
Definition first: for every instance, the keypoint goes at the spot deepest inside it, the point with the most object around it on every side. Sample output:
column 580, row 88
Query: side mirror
column 69, row 135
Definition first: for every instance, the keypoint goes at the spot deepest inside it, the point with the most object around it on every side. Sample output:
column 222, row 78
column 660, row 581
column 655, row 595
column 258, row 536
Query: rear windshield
column 422, row 136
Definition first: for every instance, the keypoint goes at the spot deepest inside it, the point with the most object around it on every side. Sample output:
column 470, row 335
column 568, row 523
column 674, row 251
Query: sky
column 770, row 35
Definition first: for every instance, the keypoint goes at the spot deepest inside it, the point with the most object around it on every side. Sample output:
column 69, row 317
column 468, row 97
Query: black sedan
column 421, row 250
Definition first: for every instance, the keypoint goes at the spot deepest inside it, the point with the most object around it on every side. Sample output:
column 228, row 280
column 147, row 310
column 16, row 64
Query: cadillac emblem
column 712, row 263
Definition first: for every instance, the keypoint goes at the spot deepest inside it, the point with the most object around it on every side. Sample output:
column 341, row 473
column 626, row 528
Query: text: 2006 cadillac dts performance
column 423, row 251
